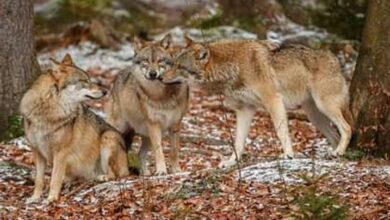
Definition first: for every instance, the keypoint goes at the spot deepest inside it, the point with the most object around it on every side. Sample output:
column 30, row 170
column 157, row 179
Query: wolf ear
column 188, row 41
column 55, row 70
column 166, row 42
column 137, row 44
column 67, row 60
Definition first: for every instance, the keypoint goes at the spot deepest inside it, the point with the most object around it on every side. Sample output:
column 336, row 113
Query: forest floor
column 265, row 187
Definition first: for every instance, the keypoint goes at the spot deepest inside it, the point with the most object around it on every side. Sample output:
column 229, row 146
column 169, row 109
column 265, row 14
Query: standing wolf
column 142, row 104
column 66, row 134
column 254, row 73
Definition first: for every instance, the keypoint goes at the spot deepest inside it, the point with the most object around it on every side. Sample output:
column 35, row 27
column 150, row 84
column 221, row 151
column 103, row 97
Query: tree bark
column 370, row 87
column 18, row 66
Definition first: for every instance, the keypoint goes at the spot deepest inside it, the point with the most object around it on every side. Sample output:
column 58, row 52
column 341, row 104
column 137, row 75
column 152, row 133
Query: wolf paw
column 103, row 178
column 50, row 199
column 161, row 172
column 336, row 153
column 145, row 172
column 227, row 163
column 32, row 199
column 289, row 155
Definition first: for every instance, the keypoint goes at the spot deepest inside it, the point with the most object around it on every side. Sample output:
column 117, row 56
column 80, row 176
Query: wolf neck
column 161, row 96
column 219, row 73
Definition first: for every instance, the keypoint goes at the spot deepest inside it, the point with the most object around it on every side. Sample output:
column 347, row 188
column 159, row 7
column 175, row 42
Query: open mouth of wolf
column 93, row 97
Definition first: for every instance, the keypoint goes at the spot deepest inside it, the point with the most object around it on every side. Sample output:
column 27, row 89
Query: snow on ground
column 20, row 142
column 275, row 171
column 287, row 30
column 88, row 55
column 211, row 34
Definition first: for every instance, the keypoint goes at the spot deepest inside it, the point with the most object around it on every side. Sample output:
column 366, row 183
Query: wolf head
column 154, row 59
column 189, row 64
column 73, row 83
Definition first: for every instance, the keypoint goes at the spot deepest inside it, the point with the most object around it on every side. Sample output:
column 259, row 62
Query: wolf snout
column 152, row 74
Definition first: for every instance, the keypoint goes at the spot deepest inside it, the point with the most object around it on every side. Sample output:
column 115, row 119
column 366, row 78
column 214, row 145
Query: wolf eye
column 166, row 62
column 141, row 61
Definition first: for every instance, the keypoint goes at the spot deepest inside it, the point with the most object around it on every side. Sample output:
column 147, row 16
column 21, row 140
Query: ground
column 266, row 188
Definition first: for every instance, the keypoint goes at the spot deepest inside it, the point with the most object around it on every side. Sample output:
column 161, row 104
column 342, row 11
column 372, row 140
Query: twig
column 284, row 184
column 231, row 140
column 280, row 170
column 76, row 190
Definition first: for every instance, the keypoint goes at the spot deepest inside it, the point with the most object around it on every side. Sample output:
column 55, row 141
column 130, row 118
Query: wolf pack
column 151, row 96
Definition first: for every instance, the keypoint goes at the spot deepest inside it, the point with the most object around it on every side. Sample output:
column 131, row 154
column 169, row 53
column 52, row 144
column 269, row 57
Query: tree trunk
column 18, row 66
column 370, row 88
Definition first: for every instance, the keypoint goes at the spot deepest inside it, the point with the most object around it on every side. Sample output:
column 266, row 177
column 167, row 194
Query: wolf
column 141, row 104
column 259, row 73
column 64, row 133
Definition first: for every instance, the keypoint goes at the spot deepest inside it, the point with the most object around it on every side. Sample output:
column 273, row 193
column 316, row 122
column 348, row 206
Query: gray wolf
column 259, row 73
column 64, row 133
column 141, row 104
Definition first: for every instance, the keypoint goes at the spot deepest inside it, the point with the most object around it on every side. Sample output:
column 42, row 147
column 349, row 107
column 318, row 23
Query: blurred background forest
column 334, row 25
column 329, row 21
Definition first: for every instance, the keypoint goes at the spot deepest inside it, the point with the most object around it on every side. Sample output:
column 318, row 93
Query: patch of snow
column 113, row 188
column 20, row 143
column 288, row 170
column 88, row 55
column 211, row 34
column 287, row 30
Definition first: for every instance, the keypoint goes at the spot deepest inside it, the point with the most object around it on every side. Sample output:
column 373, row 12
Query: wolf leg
column 321, row 122
column 122, row 165
column 155, row 137
column 143, row 155
column 278, row 114
column 40, row 165
column 108, row 148
column 175, row 145
column 330, row 108
column 244, row 118
column 58, row 174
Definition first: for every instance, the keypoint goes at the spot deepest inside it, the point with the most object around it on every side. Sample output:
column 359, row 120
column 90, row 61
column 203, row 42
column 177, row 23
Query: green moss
column 133, row 162
column 15, row 127
column 312, row 204
column 354, row 154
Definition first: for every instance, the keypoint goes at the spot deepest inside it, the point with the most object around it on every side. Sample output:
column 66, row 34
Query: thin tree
column 18, row 66
column 370, row 88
